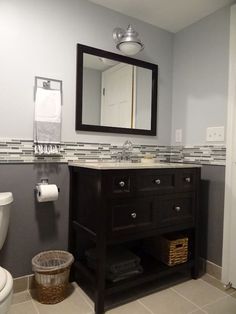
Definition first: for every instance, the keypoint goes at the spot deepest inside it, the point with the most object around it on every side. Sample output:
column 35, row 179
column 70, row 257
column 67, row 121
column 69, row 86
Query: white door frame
column 229, row 255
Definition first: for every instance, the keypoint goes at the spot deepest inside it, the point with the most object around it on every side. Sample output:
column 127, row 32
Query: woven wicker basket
column 52, row 269
column 174, row 250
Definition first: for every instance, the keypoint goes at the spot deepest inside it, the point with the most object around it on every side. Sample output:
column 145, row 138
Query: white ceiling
column 172, row 15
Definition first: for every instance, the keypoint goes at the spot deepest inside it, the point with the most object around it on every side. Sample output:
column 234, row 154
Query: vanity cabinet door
column 130, row 216
column 176, row 209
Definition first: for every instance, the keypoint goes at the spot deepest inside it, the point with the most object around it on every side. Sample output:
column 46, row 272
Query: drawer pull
column 121, row 184
column 187, row 179
column 177, row 209
column 134, row 215
column 158, row 181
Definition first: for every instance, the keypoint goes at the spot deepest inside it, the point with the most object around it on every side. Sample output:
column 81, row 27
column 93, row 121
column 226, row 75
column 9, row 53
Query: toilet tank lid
column 6, row 198
column 3, row 278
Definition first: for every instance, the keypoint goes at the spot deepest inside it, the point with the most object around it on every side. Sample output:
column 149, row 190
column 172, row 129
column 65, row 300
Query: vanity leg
column 99, row 302
column 101, row 276
column 195, row 269
column 100, row 293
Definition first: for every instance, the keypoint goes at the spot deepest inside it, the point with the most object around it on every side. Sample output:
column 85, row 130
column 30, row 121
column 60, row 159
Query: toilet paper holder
column 43, row 181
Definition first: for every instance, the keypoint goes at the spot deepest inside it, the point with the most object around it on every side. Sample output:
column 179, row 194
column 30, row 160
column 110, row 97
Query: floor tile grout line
column 212, row 302
column 195, row 311
column 147, row 308
column 35, row 307
column 220, row 283
column 212, row 277
column 220, row 299
column 83, row 297
column 234, row 292
column 198, row 307
column 21, row 302
column 212, row 286
column 25, row 291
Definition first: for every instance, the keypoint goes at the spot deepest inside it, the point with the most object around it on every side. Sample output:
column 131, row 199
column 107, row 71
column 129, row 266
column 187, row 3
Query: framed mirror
column 115, row 93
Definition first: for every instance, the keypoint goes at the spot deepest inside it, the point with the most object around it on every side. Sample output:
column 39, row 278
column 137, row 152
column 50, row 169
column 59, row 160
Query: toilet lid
column 5, row 198
column 3, row 278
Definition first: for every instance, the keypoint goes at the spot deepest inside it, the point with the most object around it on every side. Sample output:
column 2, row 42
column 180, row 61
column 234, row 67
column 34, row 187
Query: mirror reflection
column 116, row 94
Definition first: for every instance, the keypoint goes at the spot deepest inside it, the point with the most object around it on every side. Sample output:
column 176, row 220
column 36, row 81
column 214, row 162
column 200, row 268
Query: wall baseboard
column 28, row 282
column 214, row 270
column 23, row 283
column 211, row 269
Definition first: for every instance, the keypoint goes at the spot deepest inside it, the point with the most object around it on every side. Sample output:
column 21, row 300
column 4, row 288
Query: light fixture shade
column 127, row 41
column 130, row 48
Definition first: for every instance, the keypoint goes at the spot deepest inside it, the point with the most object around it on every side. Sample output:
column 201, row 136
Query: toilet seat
column 3, row 278
column 6, row 283
column 5, row 198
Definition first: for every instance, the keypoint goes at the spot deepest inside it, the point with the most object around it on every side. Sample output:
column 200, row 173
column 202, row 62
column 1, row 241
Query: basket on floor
column 52, row 269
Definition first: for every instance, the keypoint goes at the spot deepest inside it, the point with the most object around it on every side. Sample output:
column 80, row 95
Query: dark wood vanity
column 114, row 206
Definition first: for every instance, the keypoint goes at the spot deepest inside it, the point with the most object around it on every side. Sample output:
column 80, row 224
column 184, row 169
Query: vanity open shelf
column 128, row 208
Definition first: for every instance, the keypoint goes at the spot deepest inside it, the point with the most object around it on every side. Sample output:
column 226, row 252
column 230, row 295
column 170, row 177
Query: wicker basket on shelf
column 173, row 250
column 52, row 269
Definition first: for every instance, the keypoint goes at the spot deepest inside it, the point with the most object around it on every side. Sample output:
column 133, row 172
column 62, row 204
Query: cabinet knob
column 177, row 209
column 187, row 179
column 158, row 181
column 121, row 184
column 134, row 215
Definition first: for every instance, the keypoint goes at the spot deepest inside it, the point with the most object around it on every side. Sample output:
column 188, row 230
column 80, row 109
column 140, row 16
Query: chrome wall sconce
column 127, row 41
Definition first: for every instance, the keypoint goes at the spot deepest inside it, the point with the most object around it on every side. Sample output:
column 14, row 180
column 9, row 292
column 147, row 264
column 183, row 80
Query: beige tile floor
column 205, row 295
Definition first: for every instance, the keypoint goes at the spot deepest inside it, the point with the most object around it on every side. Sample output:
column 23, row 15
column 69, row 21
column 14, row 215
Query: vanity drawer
column 176, row 209
column 154, row 181
column 121, row 184
column 131, row 216
column 186, row 180
column 118, row 183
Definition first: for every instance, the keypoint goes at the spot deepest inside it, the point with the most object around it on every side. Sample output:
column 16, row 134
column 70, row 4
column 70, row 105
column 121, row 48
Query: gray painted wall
column 92, row 84
column 34, row 227
column 200, row 77
column 212, row 212
column 40, row 37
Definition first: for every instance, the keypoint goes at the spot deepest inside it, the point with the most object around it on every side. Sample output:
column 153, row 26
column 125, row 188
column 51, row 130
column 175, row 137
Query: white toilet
column 6, row 281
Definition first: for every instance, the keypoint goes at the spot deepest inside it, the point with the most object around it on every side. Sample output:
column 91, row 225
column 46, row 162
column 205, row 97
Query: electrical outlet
column 215, row 134
column 178, row 135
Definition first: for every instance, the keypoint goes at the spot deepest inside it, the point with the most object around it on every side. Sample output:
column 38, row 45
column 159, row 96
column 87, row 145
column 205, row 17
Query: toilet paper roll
column 47, row 193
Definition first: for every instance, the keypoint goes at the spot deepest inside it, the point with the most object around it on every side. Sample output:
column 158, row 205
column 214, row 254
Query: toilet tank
column 6, row 200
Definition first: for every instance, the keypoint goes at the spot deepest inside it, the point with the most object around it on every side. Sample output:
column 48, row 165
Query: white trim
column 230, row 154
column 134, row 102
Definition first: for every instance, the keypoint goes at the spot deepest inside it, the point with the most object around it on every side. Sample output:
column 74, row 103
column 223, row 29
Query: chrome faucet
column 125, row 154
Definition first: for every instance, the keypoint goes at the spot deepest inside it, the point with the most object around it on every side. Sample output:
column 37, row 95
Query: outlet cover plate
column 215, row 134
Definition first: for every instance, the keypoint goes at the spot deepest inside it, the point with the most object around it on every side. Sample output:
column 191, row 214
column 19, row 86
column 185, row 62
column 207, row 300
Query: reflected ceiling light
column 108, row 62
column 127, row 41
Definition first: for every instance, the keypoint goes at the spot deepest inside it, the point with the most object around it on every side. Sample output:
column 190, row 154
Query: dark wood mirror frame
column 81, row 49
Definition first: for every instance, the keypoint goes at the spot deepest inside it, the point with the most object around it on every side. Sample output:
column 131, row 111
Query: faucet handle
column 128, row 146
column 118, row 156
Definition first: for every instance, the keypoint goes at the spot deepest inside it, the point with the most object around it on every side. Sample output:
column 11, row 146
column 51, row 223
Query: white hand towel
column 48, row 105
column 47, row 124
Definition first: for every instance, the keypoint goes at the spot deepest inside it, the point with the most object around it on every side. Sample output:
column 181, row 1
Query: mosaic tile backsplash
column 22, row 151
